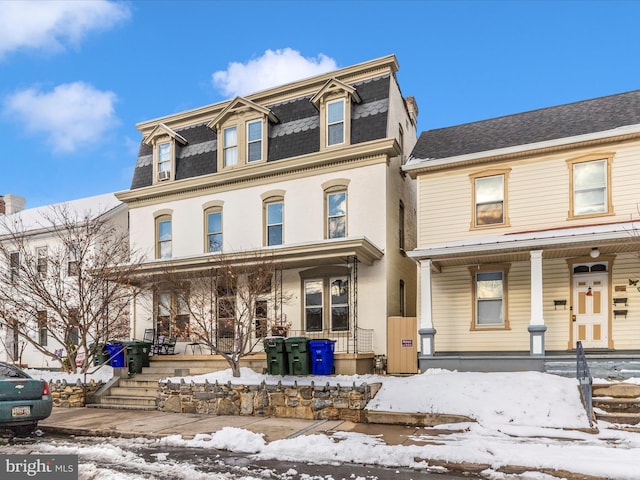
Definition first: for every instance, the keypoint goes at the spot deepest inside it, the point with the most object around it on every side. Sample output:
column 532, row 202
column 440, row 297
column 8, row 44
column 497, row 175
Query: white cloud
column 275, row 67
column 70, row 115
column 49, row 25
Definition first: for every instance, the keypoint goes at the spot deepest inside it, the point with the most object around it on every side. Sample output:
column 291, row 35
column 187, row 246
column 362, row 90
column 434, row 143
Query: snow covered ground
column 525, row 419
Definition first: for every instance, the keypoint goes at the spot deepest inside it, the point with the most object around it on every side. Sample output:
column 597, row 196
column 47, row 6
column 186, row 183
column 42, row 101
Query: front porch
column 608, row 365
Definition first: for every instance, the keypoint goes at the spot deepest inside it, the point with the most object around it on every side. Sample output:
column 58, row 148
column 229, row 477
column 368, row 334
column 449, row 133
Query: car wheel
column 23, row 430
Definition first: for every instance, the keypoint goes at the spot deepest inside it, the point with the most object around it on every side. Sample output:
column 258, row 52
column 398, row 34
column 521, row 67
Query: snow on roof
column 34, row 218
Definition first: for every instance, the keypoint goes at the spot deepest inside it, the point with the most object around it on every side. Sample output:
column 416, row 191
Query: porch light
column 595, row 253
column 589, row 293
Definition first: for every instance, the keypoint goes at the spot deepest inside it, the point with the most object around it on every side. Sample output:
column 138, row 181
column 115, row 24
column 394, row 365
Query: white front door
column 591, row 309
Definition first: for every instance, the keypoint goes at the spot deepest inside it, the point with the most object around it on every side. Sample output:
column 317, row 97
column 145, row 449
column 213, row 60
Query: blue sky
column 76, row 77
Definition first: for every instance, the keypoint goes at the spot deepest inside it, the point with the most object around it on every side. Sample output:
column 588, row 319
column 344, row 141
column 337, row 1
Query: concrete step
column 128, row 400
column 620, row 418
column 616, row 390
column 121, row 407
column 177, row 371
column 134, row 392
column 617, row 405
column 136, row 382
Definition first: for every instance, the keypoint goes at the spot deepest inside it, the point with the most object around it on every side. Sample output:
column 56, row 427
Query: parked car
column 23, row 400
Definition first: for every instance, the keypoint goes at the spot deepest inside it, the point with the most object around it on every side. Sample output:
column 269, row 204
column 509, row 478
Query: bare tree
column 231, row 305
column 66, row 294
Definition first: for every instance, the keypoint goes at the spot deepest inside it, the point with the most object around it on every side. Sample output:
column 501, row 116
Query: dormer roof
column 161, row 130
column 333, row 85
column 240, row 104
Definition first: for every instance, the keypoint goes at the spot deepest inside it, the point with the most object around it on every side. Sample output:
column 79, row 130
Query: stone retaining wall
column 313, row 402
column 72, row 394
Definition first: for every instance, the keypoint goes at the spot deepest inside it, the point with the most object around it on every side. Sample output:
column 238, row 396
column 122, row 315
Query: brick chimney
column 412, row 108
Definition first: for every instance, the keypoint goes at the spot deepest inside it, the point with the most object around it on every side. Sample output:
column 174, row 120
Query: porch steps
column 617, row 403
column 130, row 394
column 140, row 391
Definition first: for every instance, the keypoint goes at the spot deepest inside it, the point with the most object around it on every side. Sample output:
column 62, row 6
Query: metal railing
column 585, row 381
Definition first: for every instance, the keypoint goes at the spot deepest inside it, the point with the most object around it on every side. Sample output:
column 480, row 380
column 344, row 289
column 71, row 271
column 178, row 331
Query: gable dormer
column 162, row 140
column 242, row 128
column 334, row 101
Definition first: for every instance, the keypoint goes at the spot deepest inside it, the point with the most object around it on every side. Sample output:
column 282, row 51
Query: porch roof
column 610, row 238
column 326, row 252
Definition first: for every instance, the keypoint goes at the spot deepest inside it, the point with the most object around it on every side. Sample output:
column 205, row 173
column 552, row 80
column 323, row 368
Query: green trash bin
column 100, row 354
column 137, row 355
column 298, row 355
column 276, row 356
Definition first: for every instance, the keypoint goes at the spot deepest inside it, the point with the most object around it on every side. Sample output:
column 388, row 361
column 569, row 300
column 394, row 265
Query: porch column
column 426, row 331
column 536, row 325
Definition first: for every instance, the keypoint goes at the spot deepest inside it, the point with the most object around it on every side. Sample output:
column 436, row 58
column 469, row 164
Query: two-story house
column 50, row 299
column 528, row 235
column 308, row 174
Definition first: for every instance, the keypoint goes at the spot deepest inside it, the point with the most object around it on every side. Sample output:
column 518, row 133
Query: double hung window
column 336, row 214
column 14, row 263
column 43, row 333
column 274, row 223
column 41, row 261
column 326, row 303
column 163, row 237
column 591, row 192
column 73, row 260
column 313, row 305
column 335, row 122
column 214, row 230
column 254, row 141
column 164, row 161
column 230, row 148
column 489, row 200
column 490, row 297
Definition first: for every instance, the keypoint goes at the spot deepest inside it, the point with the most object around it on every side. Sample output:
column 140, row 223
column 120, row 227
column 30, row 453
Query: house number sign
column 407, row 343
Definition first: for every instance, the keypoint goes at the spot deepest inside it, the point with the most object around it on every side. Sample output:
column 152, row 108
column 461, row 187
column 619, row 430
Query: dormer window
column 335, row 122
column 242, row 129
column 254, row 141
column 164, row 161
column 230, row 146
column 334, row 101
column 163, row 140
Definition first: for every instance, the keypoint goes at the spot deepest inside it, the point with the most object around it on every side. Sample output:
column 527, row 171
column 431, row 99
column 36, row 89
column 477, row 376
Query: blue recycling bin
column 116, row 353
column 322, row 356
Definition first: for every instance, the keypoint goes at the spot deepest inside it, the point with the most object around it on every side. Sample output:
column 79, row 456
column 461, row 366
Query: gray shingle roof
column 584, row 117
column 296, row 133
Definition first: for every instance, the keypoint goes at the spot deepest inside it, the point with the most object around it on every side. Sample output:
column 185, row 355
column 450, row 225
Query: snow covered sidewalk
column 527, row 425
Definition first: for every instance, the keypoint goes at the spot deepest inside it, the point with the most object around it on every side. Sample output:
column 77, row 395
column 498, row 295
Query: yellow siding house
column 528, row 236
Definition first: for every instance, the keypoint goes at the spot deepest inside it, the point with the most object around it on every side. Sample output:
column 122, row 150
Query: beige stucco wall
column 242, row 213
column 303, row 222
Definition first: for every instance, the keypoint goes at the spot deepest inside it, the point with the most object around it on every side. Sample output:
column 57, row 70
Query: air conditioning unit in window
column 164, row 175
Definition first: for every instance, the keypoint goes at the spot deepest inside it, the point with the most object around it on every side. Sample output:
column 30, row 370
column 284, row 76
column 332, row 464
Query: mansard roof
column 547, row 124
column 294, row 127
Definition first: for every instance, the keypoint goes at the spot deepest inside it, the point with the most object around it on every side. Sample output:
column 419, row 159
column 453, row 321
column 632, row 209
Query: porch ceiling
column 520, row 251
